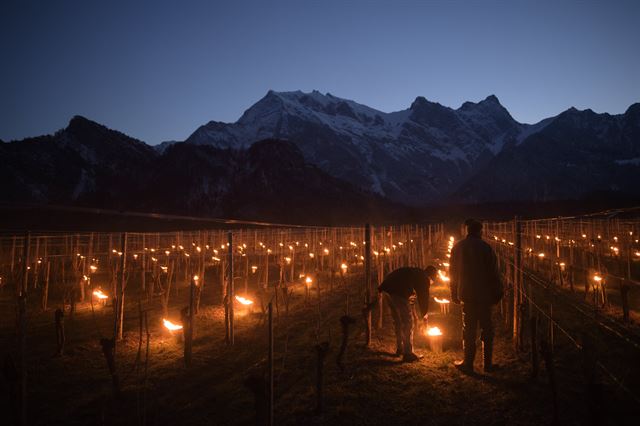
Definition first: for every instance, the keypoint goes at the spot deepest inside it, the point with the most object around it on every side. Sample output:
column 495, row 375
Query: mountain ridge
column 425, row 154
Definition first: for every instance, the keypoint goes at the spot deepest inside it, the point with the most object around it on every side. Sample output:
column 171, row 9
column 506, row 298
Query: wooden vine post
column 121, row 284
column 270, row 367
column 367, row 282
column 188, row 324
column 143, row 281
column 517, row 288
column 230, row 292
column 22, row 330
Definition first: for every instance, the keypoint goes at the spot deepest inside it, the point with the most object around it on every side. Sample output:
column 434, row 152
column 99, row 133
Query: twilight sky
column 157, row 70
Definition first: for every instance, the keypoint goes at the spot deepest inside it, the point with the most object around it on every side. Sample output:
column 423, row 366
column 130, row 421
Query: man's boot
column 409, row 355
column 487, row 356
column 466, row 365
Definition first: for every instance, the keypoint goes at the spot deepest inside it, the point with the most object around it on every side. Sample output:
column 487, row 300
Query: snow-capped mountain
column 573, row 154
column 416, row 155
column 326, row 154
column 87, row 164
column 428, row 152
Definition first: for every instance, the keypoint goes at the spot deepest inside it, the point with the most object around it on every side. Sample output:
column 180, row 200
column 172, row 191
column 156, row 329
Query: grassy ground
column 374, row 389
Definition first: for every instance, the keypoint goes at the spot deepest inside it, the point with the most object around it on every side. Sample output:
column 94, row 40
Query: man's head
column 474, row 227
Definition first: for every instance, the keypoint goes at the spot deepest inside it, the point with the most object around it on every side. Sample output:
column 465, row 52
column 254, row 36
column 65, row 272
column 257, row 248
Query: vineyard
column 284, row 325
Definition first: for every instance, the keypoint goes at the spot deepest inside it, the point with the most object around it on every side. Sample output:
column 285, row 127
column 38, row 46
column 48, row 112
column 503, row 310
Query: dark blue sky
column 157, row 70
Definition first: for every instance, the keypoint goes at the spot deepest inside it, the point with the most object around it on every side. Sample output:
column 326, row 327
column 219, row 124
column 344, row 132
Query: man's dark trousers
column 474, row 314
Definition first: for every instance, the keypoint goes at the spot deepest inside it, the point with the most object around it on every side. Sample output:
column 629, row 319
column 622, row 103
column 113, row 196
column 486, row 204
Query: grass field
column 375, row 388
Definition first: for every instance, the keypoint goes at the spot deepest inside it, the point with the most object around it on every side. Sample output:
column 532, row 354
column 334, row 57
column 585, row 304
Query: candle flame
column 442, row 276
column 244, row 301
column 441, row 300
column 100, row 295
column 434, row 331
column 170, row 325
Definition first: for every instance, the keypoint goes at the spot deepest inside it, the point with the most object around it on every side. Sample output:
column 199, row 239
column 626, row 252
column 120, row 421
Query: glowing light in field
column 244, row 300
column 344, row 267
column 170, row 325
column 100, row 295
column 434, row 331
column 442, row 276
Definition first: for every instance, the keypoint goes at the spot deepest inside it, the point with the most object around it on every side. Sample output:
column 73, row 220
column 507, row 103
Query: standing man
column 400, row 285
column 476, row 283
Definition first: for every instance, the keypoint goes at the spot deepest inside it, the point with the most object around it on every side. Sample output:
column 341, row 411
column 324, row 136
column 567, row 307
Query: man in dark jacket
column 475, row 281
column 399, row 286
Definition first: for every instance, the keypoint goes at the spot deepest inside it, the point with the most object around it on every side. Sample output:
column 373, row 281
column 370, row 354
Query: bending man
column 400, row 285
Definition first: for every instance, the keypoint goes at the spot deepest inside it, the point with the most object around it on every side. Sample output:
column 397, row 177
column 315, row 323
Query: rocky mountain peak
column 491, row 99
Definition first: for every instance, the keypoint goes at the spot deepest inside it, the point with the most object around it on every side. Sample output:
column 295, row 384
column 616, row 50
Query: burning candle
column 434, row 334
column 442, row 276
column 100, row 295
column 244, row 300
column 171, row 326
column 444, row 305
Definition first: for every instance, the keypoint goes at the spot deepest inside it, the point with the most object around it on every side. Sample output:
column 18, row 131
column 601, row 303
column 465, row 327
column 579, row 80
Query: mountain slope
column 417, row 155
column 337, row 154
column 87, row 164
column 430, row 153
column 578, row 153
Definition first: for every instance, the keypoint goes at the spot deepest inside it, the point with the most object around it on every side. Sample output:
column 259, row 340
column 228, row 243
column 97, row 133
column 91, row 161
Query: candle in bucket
column 444, row 305
column 434, row 335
